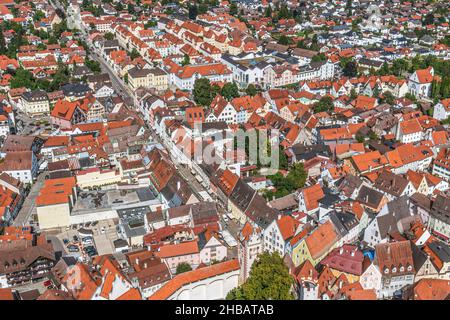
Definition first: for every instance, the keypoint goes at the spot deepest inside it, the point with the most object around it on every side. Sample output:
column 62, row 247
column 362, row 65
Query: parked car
column 48, row 283
column 76, row 239
column 88, row 248
column 87, row 242
column 65, row 241
column 73, row 248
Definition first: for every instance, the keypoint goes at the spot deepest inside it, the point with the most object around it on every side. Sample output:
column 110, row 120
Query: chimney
column 145, row 265
column 178, row 185
column 279, row 216
column 137, row 260
column 341, row 250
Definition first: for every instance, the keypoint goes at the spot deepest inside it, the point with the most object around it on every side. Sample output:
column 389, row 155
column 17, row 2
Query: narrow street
column 29, row 206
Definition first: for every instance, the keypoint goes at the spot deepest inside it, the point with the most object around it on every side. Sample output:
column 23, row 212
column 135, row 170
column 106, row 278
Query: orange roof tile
column 321, row 240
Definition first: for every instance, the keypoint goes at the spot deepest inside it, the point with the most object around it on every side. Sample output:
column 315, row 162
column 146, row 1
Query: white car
column 225, row 218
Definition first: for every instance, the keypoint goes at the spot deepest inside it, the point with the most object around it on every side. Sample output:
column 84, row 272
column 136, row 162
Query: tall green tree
column 186, row 60
column 183, row 267
column 3, row 48
column 268, row 12
column 284, row 40
column 193, row 11
column 134, row 54
column 325, row 104
column 202, row 92
column 251, row 90
column 350, row 69
column 233, row 8
column 269, row 280
column 230, row 90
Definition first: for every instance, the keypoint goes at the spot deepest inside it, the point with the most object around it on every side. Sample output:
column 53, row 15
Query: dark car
column 75, row 238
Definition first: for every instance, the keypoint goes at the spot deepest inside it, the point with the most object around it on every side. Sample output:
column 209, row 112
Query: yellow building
column 35, row 103
column 148, row 78
column 316, row 246
column 53, row 216
column 54, row 203
column 94, row 178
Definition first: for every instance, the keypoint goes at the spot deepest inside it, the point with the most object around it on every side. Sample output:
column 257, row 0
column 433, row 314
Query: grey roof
column 441, row 249
column 343, row 221
column 369, row 197
column 386, row 225
column 36, row 95
column 242, row 195
column 399, row 208
column 440, row 209
column 75, row 89
column 391, row 183
column 419, row 256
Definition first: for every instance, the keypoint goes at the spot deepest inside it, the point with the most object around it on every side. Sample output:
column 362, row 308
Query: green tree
column 108, row 36
column 186, row 60
column 39, row 15
column 388, row 98
column 429, row 19
column 399, row 66
column 269, row 280
column 319, row 58
column 284, row 13
column 119, row 6
column 285, row 185
column 230, row 90
column 193, row 11
column 325, row 104
column 134, row 54
column 202, row 92
column 3, row 48
column 284, row 40
column 268, row 12
column 22, row 78
column 183, row 267
column 93, row 65
column 350, row 69
column 251, row 90
column 233, row 8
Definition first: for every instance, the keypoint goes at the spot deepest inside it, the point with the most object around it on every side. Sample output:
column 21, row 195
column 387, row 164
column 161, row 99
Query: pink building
column 174, row 254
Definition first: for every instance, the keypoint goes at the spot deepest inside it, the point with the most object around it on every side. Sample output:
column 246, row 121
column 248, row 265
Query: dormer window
column 402, row 269
column 394, row 270
column 409, row 268
column 386, row 270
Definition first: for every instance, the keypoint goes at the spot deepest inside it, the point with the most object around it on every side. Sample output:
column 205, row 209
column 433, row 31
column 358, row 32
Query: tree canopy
column 202, row 92
column 251, row 90
column 269, row 280
column 183, row 267
column 325, row 104
column 230, row 90
column 285, row 185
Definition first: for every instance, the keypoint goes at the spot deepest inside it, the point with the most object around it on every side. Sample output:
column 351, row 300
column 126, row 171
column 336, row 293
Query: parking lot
column 103, row 234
